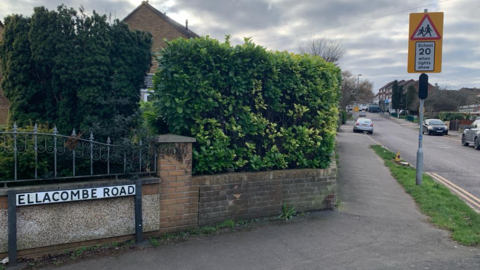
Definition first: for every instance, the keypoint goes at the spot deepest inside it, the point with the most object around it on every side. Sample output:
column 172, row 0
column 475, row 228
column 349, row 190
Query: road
column 442, row 154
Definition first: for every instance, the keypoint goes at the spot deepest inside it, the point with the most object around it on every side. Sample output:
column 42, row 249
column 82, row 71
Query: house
column 4, row 104
column 147, row 18
column 376, row 99
column 385, row 92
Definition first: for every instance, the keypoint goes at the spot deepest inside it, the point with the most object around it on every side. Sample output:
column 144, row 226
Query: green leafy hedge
column 449, row 116
column 249, row 108
column 344, row 116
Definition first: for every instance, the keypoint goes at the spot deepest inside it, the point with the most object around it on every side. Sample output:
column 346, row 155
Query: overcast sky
column 374, row 32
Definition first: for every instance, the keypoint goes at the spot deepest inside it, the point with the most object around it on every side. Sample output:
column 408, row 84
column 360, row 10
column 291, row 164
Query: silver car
column 471, row 135
column 362, row 114
column 363, row 125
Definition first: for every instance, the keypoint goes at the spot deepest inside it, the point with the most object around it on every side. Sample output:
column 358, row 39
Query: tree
column 397, row 96
column 76, row 71
column 353, row 91
column 410, row 99
column 328, row 48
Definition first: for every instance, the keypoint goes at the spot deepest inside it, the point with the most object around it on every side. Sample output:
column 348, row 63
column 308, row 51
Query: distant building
column 147, row 18
column 385, row 92
column 4, row 104
column 474, row 108
column 376, row 99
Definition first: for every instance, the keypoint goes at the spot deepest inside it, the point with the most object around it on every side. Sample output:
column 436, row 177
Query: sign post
column 424, row 56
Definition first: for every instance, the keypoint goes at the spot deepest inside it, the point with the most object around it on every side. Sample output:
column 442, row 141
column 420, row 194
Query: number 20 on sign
column 425, row 42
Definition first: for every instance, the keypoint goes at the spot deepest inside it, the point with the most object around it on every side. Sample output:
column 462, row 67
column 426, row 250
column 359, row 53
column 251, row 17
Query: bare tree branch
column 328, row 48
column 352, row 91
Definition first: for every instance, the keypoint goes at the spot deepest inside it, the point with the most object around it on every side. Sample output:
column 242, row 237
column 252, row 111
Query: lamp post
column 358, row 85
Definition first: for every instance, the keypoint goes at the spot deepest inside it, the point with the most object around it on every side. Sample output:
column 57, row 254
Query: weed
column 168, row 236
column 227, row 224
column 154, row 242
column 287, row 212
column 209, row 230
column 78, row 252
column 444, row 208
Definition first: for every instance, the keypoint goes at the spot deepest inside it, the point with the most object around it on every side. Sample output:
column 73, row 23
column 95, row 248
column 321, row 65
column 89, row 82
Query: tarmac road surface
column 441, row 154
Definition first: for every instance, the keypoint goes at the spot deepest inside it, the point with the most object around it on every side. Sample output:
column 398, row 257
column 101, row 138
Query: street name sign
column 425, row 42
column 59, row 196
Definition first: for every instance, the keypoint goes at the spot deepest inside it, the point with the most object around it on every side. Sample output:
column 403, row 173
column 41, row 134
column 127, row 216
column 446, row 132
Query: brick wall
column 261, row 194
column 145, row 19
column 178, row 196
column 177, row 202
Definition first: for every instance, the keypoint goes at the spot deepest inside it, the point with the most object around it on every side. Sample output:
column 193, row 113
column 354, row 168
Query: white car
column 363, row 125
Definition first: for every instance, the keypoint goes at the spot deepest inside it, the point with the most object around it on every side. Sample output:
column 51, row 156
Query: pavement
column 377, row 226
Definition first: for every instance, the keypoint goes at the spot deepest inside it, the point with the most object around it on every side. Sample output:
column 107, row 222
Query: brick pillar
column 178, row 194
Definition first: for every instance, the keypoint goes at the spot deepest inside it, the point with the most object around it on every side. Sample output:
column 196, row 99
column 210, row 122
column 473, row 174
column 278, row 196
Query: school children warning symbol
column 426, row 30
column 425, row 38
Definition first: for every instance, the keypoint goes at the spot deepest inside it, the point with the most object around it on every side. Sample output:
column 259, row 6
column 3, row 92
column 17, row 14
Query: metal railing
column 33, row 156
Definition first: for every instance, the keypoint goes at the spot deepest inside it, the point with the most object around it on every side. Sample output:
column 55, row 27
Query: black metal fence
column 34, row 155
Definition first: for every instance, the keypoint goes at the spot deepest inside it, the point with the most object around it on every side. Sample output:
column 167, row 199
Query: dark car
column 471, row 135
column 374, row 109
column 434, row 126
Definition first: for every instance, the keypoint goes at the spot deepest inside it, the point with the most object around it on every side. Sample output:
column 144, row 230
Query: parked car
column 434, row 126
column 362, row 114
column 362, row 125
column 402, row 112
column 374, row 109
column 471, row 135
column 392, row 111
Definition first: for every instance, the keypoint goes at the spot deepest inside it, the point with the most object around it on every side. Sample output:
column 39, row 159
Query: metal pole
column 420, row 147
column 138, row 212
column 12, row 228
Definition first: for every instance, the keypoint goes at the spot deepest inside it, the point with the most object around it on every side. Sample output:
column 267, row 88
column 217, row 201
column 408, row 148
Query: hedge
column 344, row 116
column 450, row 116
column 249, row 108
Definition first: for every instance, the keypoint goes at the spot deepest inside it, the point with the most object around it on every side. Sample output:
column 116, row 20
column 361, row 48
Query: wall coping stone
column 78, row 185
column 172, row 138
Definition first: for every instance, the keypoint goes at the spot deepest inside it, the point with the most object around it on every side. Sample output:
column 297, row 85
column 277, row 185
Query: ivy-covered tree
column 410, row 99
column 397, row 96
column 76, row 71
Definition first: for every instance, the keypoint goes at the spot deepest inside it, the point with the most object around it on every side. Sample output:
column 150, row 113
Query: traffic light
column 423, row 86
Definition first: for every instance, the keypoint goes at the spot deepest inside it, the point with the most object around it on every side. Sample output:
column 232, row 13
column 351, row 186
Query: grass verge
column 444, row 208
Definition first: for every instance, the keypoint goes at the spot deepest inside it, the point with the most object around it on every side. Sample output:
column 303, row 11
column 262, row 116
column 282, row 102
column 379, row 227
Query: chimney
column 186, row 25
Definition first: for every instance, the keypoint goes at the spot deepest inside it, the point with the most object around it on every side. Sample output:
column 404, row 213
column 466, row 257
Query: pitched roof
column 1, row 24
column 387, row 85
column 179, row 27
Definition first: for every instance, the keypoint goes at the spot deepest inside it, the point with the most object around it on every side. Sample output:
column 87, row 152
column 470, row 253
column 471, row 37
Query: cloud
column 374, row 32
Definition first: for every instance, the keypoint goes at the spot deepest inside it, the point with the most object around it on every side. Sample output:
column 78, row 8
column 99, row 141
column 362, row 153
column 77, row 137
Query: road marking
column 471, row 200
column 457, row 187
column 370, row 137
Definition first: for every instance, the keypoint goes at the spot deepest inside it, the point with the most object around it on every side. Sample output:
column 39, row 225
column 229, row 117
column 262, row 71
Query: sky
column 373, row 32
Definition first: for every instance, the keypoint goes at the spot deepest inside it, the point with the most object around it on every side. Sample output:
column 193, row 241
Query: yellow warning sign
column 425, row 42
